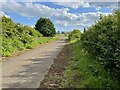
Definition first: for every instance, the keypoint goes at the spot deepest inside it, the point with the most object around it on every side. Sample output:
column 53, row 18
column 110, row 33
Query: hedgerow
column 102, row 40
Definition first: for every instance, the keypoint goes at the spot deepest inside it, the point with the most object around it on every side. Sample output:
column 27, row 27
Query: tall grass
column 12, row 46
column 85, row 72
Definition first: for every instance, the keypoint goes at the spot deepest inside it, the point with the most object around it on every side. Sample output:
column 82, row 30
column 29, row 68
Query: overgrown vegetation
column 17, row 37
column 96, row 56
column 74, row 35
column 85, row 72
column 102, row 40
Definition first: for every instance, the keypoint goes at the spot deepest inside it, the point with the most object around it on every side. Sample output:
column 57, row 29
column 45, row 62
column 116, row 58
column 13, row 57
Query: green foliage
column 58, row 32
column 102, row 41
column 46, row 27
column 96, row 56
column 85, row 72
column 17, row 37
column 75, row 34
column 62, row 32
column 8, row 27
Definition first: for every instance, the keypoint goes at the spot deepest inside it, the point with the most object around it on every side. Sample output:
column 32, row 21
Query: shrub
column 102, row 41
column 75, row 34
column 16, row 37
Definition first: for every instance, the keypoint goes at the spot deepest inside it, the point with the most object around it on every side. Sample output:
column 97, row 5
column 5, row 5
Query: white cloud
column 74, row 5
column 82, row 0
column 98, row 8
column 30, row 9
column 27, row 9
column 61, row 16
column 60, row 1
column 65, row 16
column 3, row 14
column 84, row 19
column 61, row 23
column 99, row 5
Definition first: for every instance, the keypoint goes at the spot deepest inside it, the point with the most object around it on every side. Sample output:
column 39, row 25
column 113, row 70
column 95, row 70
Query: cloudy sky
column 65, row 15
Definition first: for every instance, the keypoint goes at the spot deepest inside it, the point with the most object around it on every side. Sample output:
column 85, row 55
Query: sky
column 65, row 15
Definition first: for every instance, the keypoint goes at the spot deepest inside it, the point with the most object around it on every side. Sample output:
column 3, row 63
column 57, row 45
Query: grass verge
column 84, row 71
column 13, row 46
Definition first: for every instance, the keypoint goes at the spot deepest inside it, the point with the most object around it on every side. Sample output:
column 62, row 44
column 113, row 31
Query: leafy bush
column 16, row 37
column 18, row 44
column 84, row 71
column 75, row 34
column 102, row 41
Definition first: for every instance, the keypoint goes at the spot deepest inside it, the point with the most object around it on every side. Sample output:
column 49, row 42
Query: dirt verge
column 54, row 77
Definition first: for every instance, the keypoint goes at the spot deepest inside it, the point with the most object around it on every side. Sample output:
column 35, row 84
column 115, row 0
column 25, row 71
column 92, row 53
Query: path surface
column 28, row 69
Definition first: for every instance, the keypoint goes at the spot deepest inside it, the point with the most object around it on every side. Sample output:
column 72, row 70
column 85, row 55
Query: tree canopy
column 46, row 27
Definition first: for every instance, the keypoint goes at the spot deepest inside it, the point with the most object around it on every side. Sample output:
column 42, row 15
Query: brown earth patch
column 55, row 75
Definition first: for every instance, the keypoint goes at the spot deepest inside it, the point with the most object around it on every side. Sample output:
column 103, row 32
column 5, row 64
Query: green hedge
column 102, row 40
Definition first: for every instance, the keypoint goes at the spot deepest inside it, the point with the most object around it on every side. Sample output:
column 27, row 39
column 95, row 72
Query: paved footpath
column 28, row 69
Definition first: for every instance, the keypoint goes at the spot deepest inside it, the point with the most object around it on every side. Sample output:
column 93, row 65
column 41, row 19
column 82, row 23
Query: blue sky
column 66, row 16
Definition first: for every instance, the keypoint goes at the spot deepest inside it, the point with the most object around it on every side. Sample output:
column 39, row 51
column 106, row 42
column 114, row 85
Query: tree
column 84, row 30
column 58, row 32
column 62, row 32
column 45, row 27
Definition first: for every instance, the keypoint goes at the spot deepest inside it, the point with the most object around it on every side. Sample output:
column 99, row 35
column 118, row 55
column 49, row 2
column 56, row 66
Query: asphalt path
column 29, row 68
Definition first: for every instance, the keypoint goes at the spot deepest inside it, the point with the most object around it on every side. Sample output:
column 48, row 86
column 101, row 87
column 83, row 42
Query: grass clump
column 85, row 72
